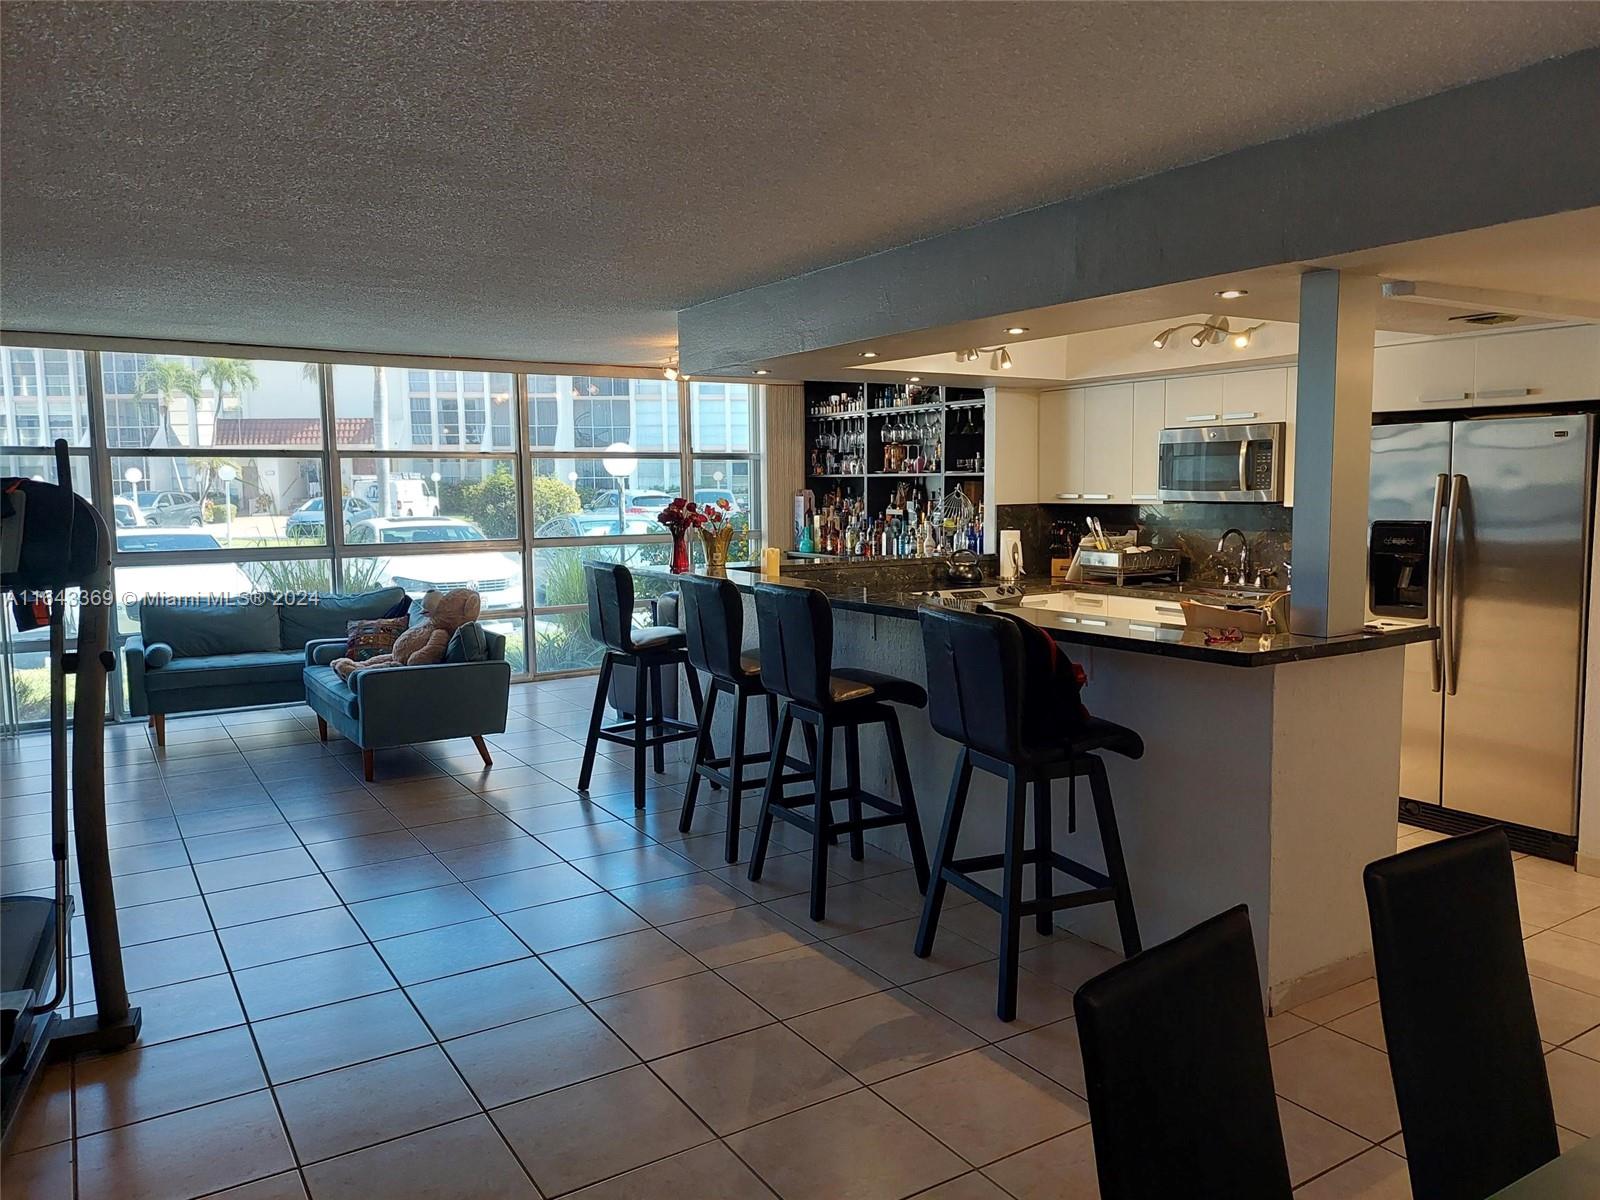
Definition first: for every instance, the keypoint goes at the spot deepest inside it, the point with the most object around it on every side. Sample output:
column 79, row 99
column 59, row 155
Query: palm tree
column 380, row 433
column 228, row 374
column 167, row 378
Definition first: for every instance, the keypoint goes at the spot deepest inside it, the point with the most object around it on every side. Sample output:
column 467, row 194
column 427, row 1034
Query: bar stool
column 649, row 651
column 979, row 680
column 714, row 624
column 796, row 626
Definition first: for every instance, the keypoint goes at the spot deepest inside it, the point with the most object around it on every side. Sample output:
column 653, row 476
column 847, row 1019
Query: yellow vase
column 716, row 542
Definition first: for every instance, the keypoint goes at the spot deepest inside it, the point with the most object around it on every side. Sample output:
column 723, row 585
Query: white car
column 205, row 579
column 127, row 513
column 494, row 575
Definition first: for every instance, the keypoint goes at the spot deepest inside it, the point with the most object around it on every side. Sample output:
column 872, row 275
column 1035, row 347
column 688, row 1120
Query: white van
column 409, row 495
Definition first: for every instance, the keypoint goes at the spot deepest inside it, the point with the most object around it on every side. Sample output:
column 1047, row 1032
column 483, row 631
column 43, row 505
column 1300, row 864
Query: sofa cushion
column 195, row 629
column 467, row 644
column 305, row 618
column 226, row 670
column 324, row 686
column 157, row 656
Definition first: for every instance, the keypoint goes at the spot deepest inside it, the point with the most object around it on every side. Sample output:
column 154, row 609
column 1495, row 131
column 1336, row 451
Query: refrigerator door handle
column 1448, row 622
column 1436, row 555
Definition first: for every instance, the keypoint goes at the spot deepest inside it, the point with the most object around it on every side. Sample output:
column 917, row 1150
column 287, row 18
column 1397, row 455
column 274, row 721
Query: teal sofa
column 401, row 706
column 193, row 656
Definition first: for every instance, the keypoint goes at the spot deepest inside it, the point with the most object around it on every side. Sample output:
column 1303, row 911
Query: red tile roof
column 290, row 431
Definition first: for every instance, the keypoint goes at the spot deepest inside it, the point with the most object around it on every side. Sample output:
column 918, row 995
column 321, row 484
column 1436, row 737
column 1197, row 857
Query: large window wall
column 219, row 473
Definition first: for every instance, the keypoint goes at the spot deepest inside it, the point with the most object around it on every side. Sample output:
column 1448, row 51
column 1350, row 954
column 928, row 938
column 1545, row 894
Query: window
column 475, row 420
column 59, row 376
column 543, row 420
column 449, row 421
column 600, row 421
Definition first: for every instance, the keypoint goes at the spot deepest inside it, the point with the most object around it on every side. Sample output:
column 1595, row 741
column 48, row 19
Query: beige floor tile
column 1375, row 1175
column 709, row 1172
column 682, row 898
column 435, row 953
column 1283, row 1026
column 901, row 887
column 620, row 964
column 228, row 873
column 40, row 1174
column 188, row 1153
column 884, row 1034
column 267, row 900
column 1339, row 1079
column 985, row 1104
column 590, row 839
column 286, row 1186
column 175, row 960
column 641, row 864
column 724, row 938
column 1558, row 875
column 1586, row 926
column 340, row 1111
column 263, row 942
column 46, row 1113
column 1312, row 1144
column 366, row 850
column 887, row 950
column 356, row 884
column 474, row 1000
column 752, row 1077
column 317, row 979
column 971, row 1186
column 412, row 912
column 851, row 908
column 800, row 980
column 534, row 885
column 339, row 1035
column 466, row 833
column 1562, row 958
column 1365, row 1025
column 853, row 1147
column 1543, row 905
column 590, row 918
column 1587, row 1045
column 1069, row 961
column 517, row 852
column 782, row 875
column 184, row 1009
column 150, row 1081
column 1063, row 1166
column 969, row 996
column 1051, row 1050
column 1337, row 1004
column 979, row 923
column 668, row 1017
column 429, row 1165
column 1575, row 1087
column 572, row 1137
column 512, row 1062
column 336, row 826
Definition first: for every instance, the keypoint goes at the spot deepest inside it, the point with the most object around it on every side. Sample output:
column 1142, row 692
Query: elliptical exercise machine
column 51, row 541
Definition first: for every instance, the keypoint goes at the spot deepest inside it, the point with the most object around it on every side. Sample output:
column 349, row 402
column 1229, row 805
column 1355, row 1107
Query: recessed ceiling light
column 762, row 371
column 1016, row 329
column 914, row 378
column 1231, row 293
column 869, row 354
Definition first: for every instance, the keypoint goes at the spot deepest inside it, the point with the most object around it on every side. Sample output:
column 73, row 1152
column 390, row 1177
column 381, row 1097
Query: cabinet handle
column 1143, row 627
column 1240, row 416
column 1091, row 621
column 1201, row 417
column 1452, row 398
column 1502, row 394
column 1170, row 608
column 1145, row 496
column 1090, row 601
column 1067, row 496
column 1097, row 495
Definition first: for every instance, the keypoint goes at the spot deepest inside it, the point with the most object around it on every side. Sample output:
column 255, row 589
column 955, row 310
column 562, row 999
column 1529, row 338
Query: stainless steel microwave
column 1234, row 463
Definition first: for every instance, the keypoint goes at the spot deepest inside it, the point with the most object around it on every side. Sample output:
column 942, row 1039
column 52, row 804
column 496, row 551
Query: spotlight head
column 1241, row 340
column 1201, row 338
column 1160, row 339
column 1004, row 359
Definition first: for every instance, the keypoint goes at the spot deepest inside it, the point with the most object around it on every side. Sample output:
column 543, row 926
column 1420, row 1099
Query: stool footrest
column 667, row 730
column 1071, row 866
column 994, row 900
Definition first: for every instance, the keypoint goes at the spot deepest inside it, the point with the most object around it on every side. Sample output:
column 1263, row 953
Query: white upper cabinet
column 1419, row 374
column 1149, row 419
column 1061, row 436
column 1541, row 366
column 1108, row 443
column 1194, row 400
column 1254, row 397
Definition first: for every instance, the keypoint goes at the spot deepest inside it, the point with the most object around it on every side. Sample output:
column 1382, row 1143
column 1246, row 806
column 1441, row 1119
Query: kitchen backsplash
column 1193, row 528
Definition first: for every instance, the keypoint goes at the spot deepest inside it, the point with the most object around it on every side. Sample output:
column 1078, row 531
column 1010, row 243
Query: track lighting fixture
column 1212, row 331
column 1160, row 340
column 1001, row 360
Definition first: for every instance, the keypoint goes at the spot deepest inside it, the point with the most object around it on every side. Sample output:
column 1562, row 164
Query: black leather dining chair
column 1458, row 1017
column 1176, row 1067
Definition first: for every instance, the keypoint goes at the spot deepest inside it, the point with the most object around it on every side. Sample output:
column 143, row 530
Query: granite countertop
column 881, row 593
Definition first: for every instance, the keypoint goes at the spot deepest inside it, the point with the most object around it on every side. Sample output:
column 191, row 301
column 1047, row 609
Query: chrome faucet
column 1240, row 576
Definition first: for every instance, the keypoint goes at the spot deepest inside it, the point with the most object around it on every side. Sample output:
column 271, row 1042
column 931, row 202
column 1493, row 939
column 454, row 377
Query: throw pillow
column 402, row 608
column 157, row 656
column 368, row 639
column 467, row 644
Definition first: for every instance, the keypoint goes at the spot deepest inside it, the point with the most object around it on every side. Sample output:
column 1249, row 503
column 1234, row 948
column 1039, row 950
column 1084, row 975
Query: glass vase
column 680, row 551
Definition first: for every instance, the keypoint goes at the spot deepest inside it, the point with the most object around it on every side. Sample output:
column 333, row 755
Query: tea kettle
column 963, row 567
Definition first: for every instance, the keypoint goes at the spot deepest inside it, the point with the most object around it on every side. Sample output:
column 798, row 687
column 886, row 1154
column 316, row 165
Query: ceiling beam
column 1518, row 304
column 1480, row 155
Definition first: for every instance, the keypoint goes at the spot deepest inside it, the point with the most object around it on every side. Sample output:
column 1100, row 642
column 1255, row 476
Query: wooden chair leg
column 366, row 765
column 322, row 728
column 596, row 716
column 159, row 720
column 1011, row 897
column 483, row 750
column 1043, row 870
column 944, row 855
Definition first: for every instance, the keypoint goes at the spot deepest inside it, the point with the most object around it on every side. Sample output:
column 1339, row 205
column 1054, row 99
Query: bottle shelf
column 851, row 475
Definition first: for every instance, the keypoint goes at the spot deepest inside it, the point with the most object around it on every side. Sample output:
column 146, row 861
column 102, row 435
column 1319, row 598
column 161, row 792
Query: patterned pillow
column 368, row 639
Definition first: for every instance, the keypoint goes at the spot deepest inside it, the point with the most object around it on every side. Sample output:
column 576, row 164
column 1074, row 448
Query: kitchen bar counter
column 1272, row 787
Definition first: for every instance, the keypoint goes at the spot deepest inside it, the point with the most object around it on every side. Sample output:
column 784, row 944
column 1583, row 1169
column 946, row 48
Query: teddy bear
column 426, row 641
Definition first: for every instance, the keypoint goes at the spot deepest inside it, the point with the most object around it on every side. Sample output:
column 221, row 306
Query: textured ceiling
column 554, row 181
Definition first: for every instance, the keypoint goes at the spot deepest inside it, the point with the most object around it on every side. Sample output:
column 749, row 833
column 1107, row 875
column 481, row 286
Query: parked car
column 496, row 576
column 635, row 502
column 127, row 513
column 307, row 520
column 204, row 579
column 409, row 496
column 173, row 508
column 593, row 524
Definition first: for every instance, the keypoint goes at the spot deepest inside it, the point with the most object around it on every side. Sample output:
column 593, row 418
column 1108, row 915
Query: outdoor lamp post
column 227, row 474
column 620, row 464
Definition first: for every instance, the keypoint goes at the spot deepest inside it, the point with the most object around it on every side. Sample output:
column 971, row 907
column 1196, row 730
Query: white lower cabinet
column 1147, row 611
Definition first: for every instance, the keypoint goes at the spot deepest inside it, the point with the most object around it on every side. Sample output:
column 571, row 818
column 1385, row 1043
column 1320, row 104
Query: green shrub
column 490, row 503
column 553, row 498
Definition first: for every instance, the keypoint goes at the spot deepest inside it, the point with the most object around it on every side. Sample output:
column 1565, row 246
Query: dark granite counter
column 891, row 589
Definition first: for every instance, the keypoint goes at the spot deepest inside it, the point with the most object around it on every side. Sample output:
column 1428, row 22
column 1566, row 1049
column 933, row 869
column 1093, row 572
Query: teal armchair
column 401, row 706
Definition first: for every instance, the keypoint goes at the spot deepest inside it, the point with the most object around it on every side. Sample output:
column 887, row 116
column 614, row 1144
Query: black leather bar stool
column 650, row 652
column 714, row 624
column 796, row 626
column 979, row 680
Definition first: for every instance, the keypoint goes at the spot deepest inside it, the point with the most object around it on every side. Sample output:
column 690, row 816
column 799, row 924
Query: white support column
column 1333, row 447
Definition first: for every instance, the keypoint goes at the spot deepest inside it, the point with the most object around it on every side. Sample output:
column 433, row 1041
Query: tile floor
column 466, row 982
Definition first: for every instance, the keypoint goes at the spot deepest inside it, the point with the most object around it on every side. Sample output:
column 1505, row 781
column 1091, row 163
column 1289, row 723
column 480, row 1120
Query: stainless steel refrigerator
column 1493, row 708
